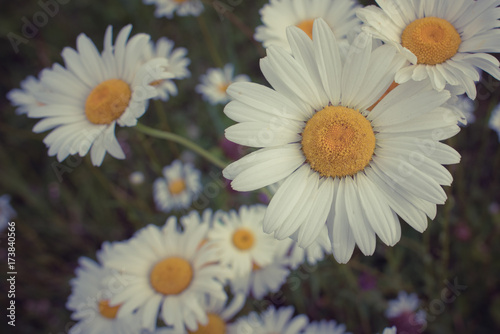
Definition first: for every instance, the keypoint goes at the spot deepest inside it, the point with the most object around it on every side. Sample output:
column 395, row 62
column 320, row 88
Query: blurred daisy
column 341, row 164
column 404, row 314
column 136, row 178
column 89, row 299
column 169, row 273
column 443, row 40
column 214, row 84
column 167, row 8
column 313, row 253
column 265, row 279
column 177, row 65
column 6, row 211
column 85, row 100
column 270, row 321
column 240, row 241
column 325, row 327
column 494, row 122
column 178, row 188
column 461, row 105
column 277, row 15
column 26, row 97
column 218, row 315
column 390, row 330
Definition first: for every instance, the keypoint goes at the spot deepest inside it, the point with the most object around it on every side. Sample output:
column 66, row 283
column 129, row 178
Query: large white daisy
column 25, row 98
column 169, row 274
column 167, row 8
column 342, row 165
column 443, row 40
column 270, row 321
column 214, row 83
column 277, row 15
column 178, row 188
column 177, row 65
column 85, row 99
column 89, row 300
column 240, row 241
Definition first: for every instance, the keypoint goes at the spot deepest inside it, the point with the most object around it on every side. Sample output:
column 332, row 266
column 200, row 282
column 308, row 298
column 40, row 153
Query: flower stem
column 182, row 141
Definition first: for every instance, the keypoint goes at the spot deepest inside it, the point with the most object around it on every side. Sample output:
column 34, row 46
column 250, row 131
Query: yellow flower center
column 243, row 239
column 307, row 27
column 255, row 267
column 215, row 325
column 177, row 186
column 108, row 311
column 107, row 101
column 338, row 141
column 171, row 276
column 432, row 39
column 223, row 88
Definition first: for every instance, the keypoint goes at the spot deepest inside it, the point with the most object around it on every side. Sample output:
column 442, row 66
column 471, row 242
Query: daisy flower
column 494, row 122
column 178, row 188
column 167, row 8
column 402, row 311
column 169, row 274
column 25, row 98
column 6, row 211
column 312, row 253
column 214, row 84
column 240, row 241
column 325, row 327
column 389, row 330
column 277, row 15
column 267, row 278
column 270, row 321
column 443, row 40
column 89, row 299
column 177, row 65
column 85, row 100
column 342, row 165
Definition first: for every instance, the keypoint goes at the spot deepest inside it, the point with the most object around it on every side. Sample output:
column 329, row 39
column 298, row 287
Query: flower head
column 167, row 8
column 443, row 40
column 270, row 321
column 214, row 84
column 342, row 162
column 168, row 270
column 277, row 15
column 83, row 101
column 178, row 188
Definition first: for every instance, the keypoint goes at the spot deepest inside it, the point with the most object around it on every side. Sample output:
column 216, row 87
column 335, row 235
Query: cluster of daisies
column 194, row 275
column 348, row 139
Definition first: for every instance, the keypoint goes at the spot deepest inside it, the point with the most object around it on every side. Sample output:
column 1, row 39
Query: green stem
column 182, row 141
column 210, row 42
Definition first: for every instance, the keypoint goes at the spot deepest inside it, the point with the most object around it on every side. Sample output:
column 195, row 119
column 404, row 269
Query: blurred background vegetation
column 66, row 210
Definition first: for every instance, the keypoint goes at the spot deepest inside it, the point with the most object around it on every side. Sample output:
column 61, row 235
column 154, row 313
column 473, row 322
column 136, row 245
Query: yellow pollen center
column 223, row 88
column 307, row 27
column 255, row 267
column 215, row 325
column 180, row 1
column 177, row 186
column 107, row 101
column 243, row 239
column 338, row 141
column 108, row 311
column 171, row 276
column 432, row 39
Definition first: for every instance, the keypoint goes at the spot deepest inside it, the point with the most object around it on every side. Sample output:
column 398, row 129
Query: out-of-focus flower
column 167, row 8
column 214, row 84
column 6, row 211
column 26, row 97
column 272, row 320
column 136, row 178
column 494, row 122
